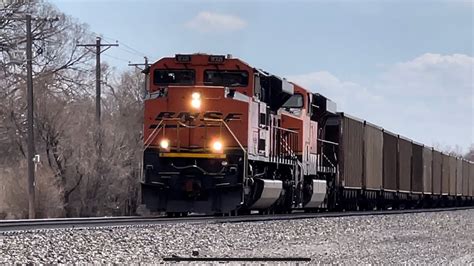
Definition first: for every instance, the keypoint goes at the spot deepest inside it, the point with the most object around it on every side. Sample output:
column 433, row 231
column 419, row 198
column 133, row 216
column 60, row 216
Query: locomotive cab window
column 295, row 101
column 227, row 78
column 174, row 77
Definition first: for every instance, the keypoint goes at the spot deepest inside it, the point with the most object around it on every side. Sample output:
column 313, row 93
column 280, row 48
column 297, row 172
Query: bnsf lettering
column 193, row 116
column 187, row 116
column 162, row 115
column 232, row 116
column 212, row 115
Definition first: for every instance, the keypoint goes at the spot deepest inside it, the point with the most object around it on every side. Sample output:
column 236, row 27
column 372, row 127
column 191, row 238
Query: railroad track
column 38, row 224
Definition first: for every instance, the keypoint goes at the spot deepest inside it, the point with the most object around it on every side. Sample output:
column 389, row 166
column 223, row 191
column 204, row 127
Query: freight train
column 223, row 137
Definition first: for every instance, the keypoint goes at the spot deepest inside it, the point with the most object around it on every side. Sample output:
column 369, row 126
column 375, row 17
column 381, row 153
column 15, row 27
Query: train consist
column 221, row 136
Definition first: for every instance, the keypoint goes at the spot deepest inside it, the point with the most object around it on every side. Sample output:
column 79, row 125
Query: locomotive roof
column 225, row 57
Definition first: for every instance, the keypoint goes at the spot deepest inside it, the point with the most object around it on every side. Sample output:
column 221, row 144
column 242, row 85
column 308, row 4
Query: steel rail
column 94, row 222
column 56, row 223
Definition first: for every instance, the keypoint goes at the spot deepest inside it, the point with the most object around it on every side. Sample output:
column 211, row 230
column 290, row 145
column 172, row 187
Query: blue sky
column 405, row 65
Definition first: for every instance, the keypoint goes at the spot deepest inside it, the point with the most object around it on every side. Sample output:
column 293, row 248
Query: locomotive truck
column 223, row 137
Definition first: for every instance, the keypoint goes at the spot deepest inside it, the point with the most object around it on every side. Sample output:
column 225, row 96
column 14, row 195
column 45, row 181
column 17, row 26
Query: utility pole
column 97, row 81
column 31, row 156
column 145, row 71
column 140, row 64
column 31, row 135
column 98, row 50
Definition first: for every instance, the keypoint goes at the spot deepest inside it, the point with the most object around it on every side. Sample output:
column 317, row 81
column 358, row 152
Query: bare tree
column 470, row 154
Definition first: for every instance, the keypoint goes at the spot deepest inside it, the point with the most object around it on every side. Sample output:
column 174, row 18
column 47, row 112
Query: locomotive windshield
column 226, row 78
column 174, row 77
column 296, row 101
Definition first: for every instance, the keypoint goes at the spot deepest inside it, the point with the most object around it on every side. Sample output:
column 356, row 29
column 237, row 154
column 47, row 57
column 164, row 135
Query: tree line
column 70, row 179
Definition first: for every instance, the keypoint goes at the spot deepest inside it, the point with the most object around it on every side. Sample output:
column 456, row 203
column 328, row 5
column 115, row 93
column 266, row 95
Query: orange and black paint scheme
column 221, row 136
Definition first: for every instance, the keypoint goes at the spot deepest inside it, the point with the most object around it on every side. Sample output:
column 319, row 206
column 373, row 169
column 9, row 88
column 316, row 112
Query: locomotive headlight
column 196, row 103
column 217, row 146
column 165, row 144
column 196, row 100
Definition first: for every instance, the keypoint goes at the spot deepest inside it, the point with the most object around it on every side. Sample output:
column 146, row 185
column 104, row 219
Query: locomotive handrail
column 286, row 129
column 245, row 156
column 212, row 119
column 328, row 142
column 158, row 127
column 233, row 135
column 153, row 134
column 283, row 143
column 290, row 151
column 186, row 126
column 329, row 161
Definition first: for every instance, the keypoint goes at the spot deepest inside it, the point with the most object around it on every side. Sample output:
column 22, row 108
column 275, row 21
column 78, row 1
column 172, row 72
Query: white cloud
column 342, row 92
column 429, row 99
column 432, row 74
column 207, row 21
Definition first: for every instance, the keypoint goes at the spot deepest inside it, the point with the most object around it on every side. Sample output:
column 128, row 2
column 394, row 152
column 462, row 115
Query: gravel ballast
column 432, row 238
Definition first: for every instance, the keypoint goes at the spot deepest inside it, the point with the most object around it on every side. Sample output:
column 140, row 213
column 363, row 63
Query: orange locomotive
column 222, row 136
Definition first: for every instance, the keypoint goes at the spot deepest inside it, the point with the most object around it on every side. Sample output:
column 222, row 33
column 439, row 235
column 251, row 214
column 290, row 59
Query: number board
column 216, row 58
column 183, row 58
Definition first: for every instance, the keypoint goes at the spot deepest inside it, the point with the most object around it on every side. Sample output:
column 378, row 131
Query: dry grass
column 14, row 196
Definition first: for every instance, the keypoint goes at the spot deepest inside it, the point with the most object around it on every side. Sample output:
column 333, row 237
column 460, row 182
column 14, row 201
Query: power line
column 118, row 58
column 136, row 51
column 130, row 52
column 131, row 49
